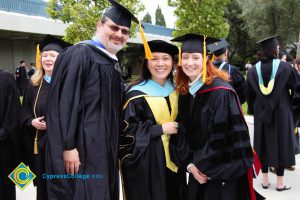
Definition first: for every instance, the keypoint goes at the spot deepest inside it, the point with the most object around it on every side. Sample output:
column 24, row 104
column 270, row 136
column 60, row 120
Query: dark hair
column 22, row 61
column 268, row 53
column 281, row 54
column 145, row 74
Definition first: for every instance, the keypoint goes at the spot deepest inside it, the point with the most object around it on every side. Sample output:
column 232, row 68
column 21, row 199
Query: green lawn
column 245, row 107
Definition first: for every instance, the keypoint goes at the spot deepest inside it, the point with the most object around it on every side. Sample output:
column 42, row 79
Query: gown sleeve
column 227, row 152
column 27, row 115
column 250, row 94
column 180, row 152
column 9, row 108
column 64, row 104
column 294, row 84
column 140, row 126
column 238, row 83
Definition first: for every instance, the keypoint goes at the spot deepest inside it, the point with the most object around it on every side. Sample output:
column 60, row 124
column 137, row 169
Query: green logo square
column 22, row 176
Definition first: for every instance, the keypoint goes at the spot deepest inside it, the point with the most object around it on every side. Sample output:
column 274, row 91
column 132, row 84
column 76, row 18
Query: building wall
column 13, row 51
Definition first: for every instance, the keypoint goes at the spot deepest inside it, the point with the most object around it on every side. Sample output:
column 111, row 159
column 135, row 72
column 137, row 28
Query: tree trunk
column 298, row 47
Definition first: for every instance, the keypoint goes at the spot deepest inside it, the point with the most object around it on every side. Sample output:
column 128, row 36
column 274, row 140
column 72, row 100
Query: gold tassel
column 213, row 58
column 148, row 53
column 37, row 56
column 35, row 145
column 179, row 56
column 204, row 60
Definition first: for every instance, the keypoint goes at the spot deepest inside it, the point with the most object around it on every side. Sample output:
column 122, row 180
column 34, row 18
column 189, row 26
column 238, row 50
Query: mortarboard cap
column 218, row 48
column 120, row 15
column 162, row 46
column 269, row 42
column 47, row 44
column 193, row 43
column 52, row 43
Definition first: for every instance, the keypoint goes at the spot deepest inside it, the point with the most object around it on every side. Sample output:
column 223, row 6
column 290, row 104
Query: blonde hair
column 38, row 75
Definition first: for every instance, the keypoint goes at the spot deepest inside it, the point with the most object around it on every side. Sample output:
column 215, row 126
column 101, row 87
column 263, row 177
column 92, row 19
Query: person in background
column 273, row 97
column 33, row 114
column 9, row 133
column 84, row 112
column 282, row 56
column 237, row 80
column 21, row 77
column 213, row 139
column 149, row 112
column 31, row 70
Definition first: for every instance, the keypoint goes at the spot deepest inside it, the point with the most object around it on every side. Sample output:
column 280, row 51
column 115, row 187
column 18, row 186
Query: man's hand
column 71, row 161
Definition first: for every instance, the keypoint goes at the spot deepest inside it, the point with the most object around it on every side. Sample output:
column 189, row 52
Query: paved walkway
column 291, row 178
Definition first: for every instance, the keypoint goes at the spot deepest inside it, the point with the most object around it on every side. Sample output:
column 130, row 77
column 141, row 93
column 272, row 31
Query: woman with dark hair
column 273, row 96
column 34, row 110
column 213, row 141
column 149, row 112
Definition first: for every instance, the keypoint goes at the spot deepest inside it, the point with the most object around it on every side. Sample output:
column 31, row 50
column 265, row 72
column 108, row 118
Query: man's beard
column 114, row 48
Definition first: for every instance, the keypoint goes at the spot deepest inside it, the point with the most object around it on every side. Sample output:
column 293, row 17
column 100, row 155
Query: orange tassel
column 35, row 145
column 37, row 56
column 148, row 53
column 204, row 60
column 179, row 56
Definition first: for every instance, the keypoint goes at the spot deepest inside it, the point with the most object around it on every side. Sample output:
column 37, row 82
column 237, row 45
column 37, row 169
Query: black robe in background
column 35, row 162
column 214, row 136
column 274, row 115
column 9, row 134
column 84, row 112
column 237, row 80
column 21, row 79
column 144, row 170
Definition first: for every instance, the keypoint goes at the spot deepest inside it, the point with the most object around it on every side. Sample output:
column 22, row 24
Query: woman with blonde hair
column 213, row 141
column 34, row 110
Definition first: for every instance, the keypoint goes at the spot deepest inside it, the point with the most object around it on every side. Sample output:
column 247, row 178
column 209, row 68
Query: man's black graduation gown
column 274, row 114
column 237, row 80
column 84, row 112
column 144, row 170
column 21, row 79
column 35, row 162
column 9, row 133
column 218, row 143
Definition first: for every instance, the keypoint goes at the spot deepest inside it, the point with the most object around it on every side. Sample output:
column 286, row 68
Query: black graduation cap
column 269, row 42
column 193, row 43
column 218, row 48
column 120, row 15
column 52, row 43
column 162, row 46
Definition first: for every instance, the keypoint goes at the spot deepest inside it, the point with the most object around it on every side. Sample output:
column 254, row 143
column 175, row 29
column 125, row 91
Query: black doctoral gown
column 84, row 112
column 9, row 133
column 35, row 162
column 214, row 136
column 237, row 80
column 144, row 170
column 274, row 114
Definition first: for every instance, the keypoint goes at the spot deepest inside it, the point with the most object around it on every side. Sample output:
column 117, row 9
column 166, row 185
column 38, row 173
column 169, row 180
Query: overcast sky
column 151, row 5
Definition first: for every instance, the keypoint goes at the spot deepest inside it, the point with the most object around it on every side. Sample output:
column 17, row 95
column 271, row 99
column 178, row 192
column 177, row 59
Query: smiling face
column 48, row 61
column 160, row 67
column 192, row 65
column 112, row 36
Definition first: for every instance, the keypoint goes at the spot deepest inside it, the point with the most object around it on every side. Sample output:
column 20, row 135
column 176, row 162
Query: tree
column 241, row 44
column 147, row 18
column 273, row 17
column 159, row 17
column 200, row 16
column 83, row 15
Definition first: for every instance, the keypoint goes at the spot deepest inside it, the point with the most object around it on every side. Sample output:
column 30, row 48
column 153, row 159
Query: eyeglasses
column 116, row 28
